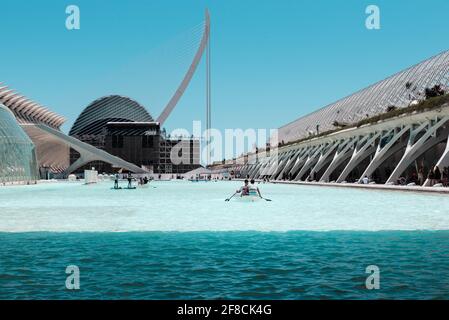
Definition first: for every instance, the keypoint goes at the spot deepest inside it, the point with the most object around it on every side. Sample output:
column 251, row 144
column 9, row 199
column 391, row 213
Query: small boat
column 249, row 198
column 143, row 186
column 124, row 188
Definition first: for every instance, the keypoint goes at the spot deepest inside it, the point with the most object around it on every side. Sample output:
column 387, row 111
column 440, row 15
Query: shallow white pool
column 187, row 206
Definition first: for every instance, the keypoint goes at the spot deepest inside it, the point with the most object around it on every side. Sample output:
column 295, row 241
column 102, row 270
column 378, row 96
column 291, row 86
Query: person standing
column 445, row 176
column 437, row 173
column 421, row 176
column 116, row 177
column 431, row 177
column 130, row 179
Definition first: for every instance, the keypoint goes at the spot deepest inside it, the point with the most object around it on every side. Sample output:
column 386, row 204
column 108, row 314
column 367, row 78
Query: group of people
column 437, row 176
column 129, row 177
column 143, row 180
column 434, row 177
column 249, row 189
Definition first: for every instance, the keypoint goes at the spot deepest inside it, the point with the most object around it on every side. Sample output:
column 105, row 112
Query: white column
column 381, row 151
column 291, row 161
column 324, row 157
column 442, row 162
column 309, row 162
column 301, row 159
column 281, row 166
column 339, row 156
column 413, row 148
column 361, row 151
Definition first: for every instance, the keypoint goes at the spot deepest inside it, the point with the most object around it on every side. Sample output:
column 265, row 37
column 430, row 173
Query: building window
column 117, row 141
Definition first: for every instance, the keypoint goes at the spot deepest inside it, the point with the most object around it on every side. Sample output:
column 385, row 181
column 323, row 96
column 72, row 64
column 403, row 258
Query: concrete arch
column 415, row 149
column 87, row 152
column 188, row 77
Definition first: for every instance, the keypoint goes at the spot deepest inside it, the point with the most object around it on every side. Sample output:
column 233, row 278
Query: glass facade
column 18, row 161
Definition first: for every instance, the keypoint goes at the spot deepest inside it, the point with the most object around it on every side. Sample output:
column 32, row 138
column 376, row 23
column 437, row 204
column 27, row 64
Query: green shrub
column 426, row 105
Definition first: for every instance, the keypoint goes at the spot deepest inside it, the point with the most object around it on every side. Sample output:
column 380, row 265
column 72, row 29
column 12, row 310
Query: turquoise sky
column 272, row 61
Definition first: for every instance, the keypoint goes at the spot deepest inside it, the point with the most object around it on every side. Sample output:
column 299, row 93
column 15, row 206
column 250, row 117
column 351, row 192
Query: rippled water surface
column 241, row 265
column 186, row 206
column 182, row 241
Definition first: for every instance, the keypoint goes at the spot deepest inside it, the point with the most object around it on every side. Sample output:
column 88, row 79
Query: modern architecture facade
column 398, row 91
column 178, row 155
column 124, row 128
column 18, row 161
column 395, row 131
column 52, row 145
column 112, row 133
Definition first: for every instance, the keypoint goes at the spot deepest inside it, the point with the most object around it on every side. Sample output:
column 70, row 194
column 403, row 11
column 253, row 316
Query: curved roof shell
column 398, row 90
column 28, row 111
column 112, row 108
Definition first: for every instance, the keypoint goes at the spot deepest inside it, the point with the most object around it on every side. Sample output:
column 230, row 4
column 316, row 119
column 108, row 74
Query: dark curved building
column 112, row 108
column 124, row 128
column 114, row 123
column 52, row 146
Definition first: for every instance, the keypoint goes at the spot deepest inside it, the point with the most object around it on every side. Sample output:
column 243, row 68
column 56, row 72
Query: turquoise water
column 182, row 241
column 240, row 265
column 186, row 206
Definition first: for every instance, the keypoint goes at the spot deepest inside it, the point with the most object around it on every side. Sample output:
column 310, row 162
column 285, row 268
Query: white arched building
column 387, row 132
column 51, row 144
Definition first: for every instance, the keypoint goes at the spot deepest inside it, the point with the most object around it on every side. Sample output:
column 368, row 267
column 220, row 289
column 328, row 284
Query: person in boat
column 254, row 190
column 244, row 190
column 116, row 177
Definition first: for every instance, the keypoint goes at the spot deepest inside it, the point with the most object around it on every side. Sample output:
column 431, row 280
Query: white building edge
column 388, row 151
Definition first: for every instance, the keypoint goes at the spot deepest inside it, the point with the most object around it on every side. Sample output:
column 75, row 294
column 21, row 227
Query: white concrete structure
column 190, row 72
column 388, row 151
column 52, row 145
column 332, row 158
column 400, row 90
column 90, row 176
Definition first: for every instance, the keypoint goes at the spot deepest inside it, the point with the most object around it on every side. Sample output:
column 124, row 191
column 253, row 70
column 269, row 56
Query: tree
column 391, row 108
column 339, row 124
column 435, row 91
